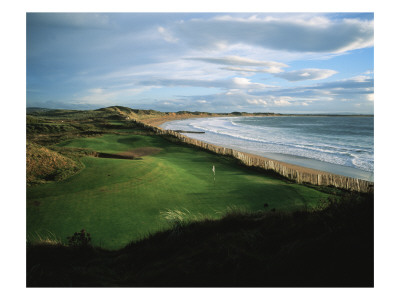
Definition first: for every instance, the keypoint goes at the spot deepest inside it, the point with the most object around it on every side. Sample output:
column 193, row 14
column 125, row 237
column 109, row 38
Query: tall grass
column 233, row 210
column 47, row 238
column 178, row 219
column 182, row 217
column 332, row 247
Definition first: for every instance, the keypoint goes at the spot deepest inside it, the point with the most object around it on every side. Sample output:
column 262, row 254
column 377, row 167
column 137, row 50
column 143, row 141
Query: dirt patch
column 139, row 152
column 108, row 155
column 136, row 153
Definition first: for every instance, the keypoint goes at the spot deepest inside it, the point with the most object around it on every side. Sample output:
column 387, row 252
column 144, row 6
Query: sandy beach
column 300, row 164
column 157, row 121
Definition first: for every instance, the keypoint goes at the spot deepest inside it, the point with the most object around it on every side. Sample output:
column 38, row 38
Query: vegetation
column 119, row 200
column 43, row 165
column 80, row 239
column 332, row 247
column 157, row 218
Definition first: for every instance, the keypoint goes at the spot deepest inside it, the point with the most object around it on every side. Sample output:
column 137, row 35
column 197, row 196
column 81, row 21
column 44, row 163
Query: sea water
column 342, row 145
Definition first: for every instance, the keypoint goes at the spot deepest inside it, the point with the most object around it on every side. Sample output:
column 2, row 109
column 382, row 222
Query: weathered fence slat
column 299, row 176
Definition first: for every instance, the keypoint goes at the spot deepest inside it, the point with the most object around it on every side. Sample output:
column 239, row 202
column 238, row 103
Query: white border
column 13, row 155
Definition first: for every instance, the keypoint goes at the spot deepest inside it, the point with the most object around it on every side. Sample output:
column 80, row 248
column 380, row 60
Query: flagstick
column 213, row 169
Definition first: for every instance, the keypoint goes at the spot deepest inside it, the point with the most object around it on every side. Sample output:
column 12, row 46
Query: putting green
column 118, row 200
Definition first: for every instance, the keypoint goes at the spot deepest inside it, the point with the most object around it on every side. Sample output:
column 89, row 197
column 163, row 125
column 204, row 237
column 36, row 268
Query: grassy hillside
column 124, row 113
column 157, row 217
column 44, row 165
column 121, row 200
column 324, row 248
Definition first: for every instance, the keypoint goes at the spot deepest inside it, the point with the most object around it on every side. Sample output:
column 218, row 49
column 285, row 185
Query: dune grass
column 119, row 201
column 43, row 164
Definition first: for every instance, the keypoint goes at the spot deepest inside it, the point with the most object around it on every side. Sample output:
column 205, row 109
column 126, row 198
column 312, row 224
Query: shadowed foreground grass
column 332, row 247
column 120, row 200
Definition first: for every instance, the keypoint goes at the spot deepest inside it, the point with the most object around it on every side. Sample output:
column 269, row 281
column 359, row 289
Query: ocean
column 342, row 145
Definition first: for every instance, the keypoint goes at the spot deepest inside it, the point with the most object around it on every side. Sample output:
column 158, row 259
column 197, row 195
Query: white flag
column 213, row 169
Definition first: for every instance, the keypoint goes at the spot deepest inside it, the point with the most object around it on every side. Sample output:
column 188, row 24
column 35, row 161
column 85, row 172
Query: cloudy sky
column 216, row 62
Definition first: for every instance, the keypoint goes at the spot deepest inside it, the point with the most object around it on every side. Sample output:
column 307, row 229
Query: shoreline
column 292, row 171
column 292, row 160
column 157, row 121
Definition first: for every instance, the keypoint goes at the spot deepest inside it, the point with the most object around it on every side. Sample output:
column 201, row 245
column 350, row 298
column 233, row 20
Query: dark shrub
column 79, row 239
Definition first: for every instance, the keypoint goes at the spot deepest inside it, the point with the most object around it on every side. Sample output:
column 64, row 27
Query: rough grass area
column 159, row 217
column 49, row 127
column 120, row 200
column 44, row 165
column 332, row 247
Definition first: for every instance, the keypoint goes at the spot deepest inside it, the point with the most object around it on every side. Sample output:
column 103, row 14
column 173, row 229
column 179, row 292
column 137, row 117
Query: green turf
column 118, row 200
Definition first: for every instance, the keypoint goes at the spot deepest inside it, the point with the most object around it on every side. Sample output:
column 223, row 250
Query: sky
column 214, row 62
column 79, row 62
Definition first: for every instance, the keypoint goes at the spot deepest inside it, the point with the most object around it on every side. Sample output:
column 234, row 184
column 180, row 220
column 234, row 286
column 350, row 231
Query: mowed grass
column 118, row 201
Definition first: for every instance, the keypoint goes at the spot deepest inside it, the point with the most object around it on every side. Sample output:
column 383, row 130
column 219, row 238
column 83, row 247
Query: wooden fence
column 299, row 175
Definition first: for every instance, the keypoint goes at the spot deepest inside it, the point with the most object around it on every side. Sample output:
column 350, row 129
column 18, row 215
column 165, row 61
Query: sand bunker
column 139, row 152
column 136, row 153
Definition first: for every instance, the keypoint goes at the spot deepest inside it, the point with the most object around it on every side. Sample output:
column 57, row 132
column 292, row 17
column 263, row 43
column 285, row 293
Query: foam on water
column 342, row 141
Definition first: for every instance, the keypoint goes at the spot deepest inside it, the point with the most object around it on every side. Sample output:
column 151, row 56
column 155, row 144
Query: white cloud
column 257, row 102
column 96, row 96
column 167, row 35
column 307, row 74
column 107, row 96
column 171, row 69
column 271, row 70
column 234, row 83
column 245, row 83
column 340, row 91
column 144, row 59
column 360, row 78
column 297, row 33
column 282, row 101
column 236, row 63
column 239, row 61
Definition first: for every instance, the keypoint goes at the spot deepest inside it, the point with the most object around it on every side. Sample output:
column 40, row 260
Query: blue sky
column 216, row 62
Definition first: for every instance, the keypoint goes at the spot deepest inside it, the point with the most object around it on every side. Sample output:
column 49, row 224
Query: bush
column 79, row 239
